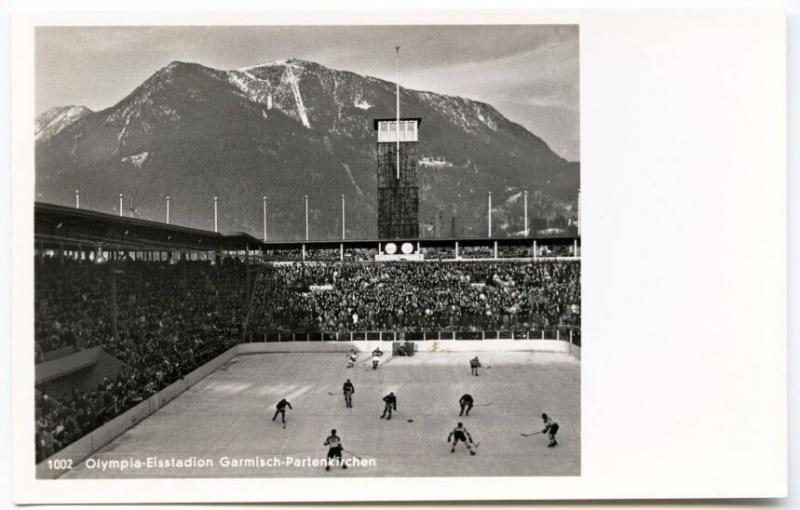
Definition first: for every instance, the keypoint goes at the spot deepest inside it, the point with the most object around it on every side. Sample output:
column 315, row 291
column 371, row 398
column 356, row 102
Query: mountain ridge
column 290, row 129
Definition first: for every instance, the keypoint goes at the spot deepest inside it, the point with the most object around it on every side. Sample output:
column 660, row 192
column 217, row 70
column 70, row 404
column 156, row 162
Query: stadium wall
column 93, row 441
column 422, row 346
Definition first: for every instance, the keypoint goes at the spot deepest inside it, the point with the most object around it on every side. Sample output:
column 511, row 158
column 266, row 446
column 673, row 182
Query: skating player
column 466, row 404
column 376, row 357
column 281, row 409
column 351, row 359
column 334, row 444
column 390, row 403
column 348, row 389
column 474, row 364
column 550, row 428
column 460, row 434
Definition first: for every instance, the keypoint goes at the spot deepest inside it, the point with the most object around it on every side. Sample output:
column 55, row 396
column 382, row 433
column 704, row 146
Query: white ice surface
column 229, row 414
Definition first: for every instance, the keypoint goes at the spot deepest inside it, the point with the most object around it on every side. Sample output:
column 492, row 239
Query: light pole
column 264, row 214
column 489, row 214
column 215, row 214
column 77, row 199
column 525, row 196
column 120, row 204
column 343, row 220
column 168, row 197
column 305, row 198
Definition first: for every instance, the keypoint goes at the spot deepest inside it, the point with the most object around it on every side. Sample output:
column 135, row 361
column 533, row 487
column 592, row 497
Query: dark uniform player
column 460, row 434
column 281, row 409
column 348, row 389
column 474, row 364
column 466, row 404
column 334, row 444
column 390, row 403
column 550, row 428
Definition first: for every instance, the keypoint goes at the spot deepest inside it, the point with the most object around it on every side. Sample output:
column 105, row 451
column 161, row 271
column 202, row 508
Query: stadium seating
column 163, row 320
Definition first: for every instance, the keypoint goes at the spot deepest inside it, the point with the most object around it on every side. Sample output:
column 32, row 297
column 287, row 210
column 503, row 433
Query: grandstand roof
column 56, row 224
column 69, row 225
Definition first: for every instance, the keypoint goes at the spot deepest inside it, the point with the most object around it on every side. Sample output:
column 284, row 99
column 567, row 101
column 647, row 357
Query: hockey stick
column 483, row 405
column 353, row 454
column 531, row 434
column 332, row 394
column 409, row 420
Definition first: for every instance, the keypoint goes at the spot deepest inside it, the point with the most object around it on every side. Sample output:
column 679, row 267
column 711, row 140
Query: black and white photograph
column 367, row 254
column 307, row 251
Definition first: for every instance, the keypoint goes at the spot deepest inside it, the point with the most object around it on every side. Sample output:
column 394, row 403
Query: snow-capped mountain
column 286, row 129
column 54, row 120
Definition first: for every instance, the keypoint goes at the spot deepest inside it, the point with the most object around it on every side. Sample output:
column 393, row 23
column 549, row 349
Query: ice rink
column 228, row 415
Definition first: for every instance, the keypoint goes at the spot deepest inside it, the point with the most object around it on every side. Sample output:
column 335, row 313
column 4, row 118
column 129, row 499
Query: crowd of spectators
column 413, row 296
column 163, row 320
column 170, row 319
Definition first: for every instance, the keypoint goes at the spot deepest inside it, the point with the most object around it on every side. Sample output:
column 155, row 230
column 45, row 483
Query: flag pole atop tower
column 397, row 94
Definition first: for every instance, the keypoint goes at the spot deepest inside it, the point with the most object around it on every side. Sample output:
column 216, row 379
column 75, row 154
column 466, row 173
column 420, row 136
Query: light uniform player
column 351, row 359
column 334, row 444
column 550, row 428
column 376, row 358
column 280, row 408
column 348, row 389
column 460, row 434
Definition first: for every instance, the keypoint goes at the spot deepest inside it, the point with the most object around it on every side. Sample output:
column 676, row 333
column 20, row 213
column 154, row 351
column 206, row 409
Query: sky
column 529, row 73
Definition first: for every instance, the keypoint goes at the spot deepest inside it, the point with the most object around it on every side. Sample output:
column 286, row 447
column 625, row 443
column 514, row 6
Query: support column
column 495, row 249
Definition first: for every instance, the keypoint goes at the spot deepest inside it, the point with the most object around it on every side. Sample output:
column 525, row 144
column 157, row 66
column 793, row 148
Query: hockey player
column 348, row 389
column 550, row 428
column 474, row 364
column 466, row 404
column 334, row 444
column 376, row 358
column 390, row 403
column 460, row 434
column 351, row 359
column 281, row 409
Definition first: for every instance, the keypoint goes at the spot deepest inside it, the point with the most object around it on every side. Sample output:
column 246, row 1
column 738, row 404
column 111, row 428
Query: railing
column 566, row 334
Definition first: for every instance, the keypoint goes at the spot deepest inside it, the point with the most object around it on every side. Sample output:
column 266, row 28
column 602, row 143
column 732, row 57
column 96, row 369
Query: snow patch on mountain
column 434, row 163
column 294, row 83
column 362, row 104
column 55, row 120
column 352, row 179
column 136, row 160
column 253, row 88
column 514, row 198
column 282, row 62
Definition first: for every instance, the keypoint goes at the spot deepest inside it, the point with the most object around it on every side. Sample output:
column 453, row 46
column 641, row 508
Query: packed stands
column 413, row 296
column 170, row 319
